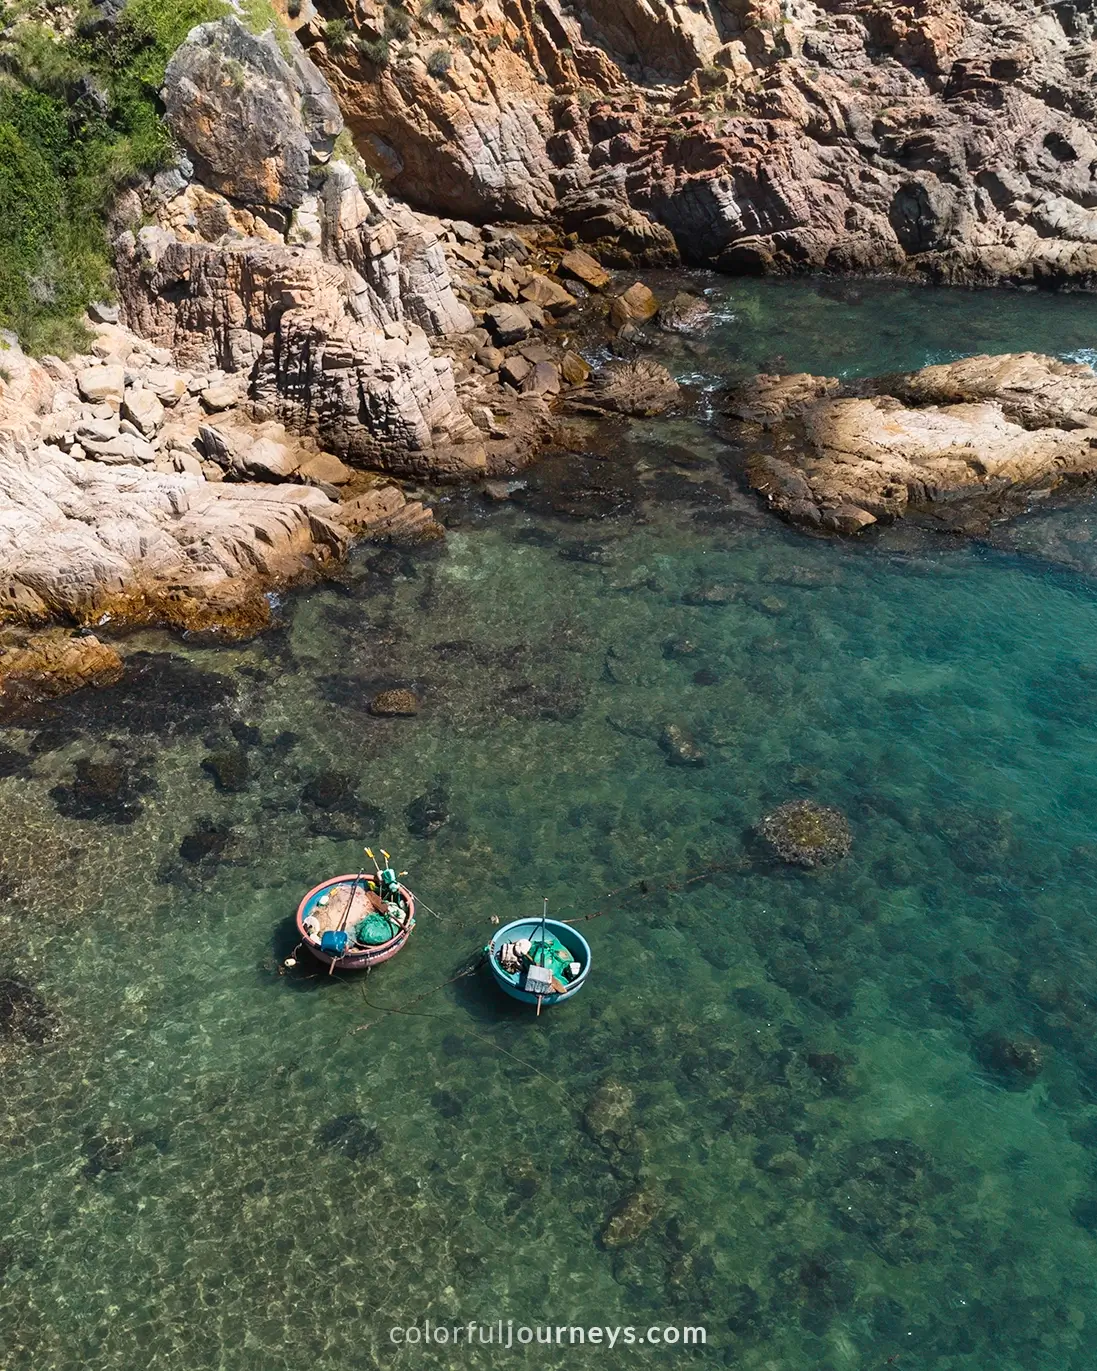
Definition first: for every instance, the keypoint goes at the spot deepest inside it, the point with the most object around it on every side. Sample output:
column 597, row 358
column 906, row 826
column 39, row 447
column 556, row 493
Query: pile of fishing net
column 373, row 930
column 550, row 952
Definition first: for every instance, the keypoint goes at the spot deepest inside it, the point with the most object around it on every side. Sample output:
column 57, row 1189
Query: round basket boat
column 327, row 903
column 510, row 982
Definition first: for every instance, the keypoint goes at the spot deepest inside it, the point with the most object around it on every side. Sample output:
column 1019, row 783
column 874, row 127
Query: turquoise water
column 793, row 1082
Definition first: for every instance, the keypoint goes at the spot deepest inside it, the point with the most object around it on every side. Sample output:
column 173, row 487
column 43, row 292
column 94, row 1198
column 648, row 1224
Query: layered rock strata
column 286, row 332
column 947, row 138
column 134, row 491
column 273, row 259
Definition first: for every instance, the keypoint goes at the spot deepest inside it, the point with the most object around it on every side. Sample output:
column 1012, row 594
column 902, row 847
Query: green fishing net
column 552, row 953
column 373, row 930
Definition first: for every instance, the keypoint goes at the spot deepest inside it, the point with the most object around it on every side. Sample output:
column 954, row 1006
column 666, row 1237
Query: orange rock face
column 46, row 665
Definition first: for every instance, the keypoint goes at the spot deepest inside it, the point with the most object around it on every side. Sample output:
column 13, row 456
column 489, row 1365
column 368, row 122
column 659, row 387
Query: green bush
column 377, row 52
column 337, row 35
column 397, row 22
column 79, row 120
column 439, row 62
column 345, row 151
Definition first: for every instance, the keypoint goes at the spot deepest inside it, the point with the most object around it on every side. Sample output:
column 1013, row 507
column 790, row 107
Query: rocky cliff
column 275, row 310
column 947, row 138
column 294, row 313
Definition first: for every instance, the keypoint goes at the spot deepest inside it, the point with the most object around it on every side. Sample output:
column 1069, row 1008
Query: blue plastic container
column 510, row 981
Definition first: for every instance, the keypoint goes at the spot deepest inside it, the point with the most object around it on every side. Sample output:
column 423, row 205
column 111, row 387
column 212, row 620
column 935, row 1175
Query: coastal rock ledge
column 176, row 516
column 966, row 442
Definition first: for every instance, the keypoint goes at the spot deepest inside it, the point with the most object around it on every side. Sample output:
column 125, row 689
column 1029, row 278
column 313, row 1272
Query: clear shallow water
column 851, row 327
column 212, row 1165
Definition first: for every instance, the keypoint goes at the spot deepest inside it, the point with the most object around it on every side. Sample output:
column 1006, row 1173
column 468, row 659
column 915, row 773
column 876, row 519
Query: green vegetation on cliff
column 79, row 120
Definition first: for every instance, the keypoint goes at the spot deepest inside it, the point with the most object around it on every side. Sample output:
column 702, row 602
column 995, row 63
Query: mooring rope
column 385, row 1010
column 645, row 884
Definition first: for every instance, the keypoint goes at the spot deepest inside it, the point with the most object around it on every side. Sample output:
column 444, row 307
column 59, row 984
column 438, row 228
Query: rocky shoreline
column 295, row 353
column 969, row 442
column 186, row 466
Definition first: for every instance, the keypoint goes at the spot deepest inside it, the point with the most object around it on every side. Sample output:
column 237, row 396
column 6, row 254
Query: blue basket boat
column 548, row 942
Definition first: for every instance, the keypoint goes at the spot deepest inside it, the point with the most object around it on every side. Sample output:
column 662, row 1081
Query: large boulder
column 806, row 834
column 26, row 387
column 642, row 387
column 972, row 437
column 250, row 119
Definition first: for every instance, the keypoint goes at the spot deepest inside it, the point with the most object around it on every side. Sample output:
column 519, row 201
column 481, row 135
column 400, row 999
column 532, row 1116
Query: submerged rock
column 106, row 1153
column 207, row 843
column 428, row 813
column 331, row 790
column 674, row 649
column 631, row 1219
column 593, row 554
column 230, row 770
column 396, row 703
column 334, row 808
column 711, row 595
column 679, row 746
column 24, row 1015
column 108, row 791
column 1017, row 1059
column 159, row 693
column 684, row 313
column 583, row 486
column 806, row 834
column 351, row 1135
column 882, row 1192
column 524, row 1179
column 608, row 1117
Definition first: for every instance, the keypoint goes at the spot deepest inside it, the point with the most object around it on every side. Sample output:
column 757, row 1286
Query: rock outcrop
column 250, row 118
column 940, row 138
column 968, row 440
column 286, row 329
column 42, row 665
column 275, row 261
column 106, row 518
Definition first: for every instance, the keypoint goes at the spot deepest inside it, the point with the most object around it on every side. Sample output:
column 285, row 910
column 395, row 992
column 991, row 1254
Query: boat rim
column 352, row 877
column 498, row 938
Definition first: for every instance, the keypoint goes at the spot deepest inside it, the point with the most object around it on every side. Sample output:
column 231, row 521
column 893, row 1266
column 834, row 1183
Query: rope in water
column 643, row 886
column 385, row 1010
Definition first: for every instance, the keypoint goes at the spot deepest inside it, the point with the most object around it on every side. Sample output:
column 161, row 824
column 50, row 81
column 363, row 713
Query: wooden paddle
column 346, row 912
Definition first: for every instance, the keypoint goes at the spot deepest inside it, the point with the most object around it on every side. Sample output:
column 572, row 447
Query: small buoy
column 290, row 961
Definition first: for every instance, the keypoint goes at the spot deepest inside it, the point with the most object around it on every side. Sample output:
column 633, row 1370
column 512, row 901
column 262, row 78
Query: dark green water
column 207, row 1164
